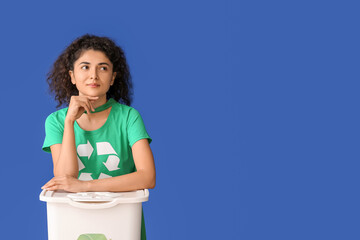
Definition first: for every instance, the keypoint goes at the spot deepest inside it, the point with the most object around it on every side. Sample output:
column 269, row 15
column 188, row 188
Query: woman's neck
column 90, row 122
column 101, row 101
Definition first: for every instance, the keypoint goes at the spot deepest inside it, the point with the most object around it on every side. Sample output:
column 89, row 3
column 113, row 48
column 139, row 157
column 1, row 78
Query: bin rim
column 137, row 196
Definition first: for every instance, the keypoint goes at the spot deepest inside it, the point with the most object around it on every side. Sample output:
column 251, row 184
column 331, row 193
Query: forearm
column 128, row 182
column 67, row 163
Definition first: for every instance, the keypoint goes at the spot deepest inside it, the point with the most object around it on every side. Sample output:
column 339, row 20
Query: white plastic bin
column 94, row 215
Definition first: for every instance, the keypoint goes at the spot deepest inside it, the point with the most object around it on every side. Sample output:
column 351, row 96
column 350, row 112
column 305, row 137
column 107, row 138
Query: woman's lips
column 93, row 85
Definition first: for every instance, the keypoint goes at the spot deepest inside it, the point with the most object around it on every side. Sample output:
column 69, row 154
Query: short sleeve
column 53, row 133
column 136, row 128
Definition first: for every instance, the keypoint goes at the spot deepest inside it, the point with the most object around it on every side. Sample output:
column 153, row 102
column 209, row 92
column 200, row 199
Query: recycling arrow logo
column 85, row 150
column 102, row 148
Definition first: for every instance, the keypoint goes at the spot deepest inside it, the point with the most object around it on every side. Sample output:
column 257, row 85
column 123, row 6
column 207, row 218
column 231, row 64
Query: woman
column 99, row 142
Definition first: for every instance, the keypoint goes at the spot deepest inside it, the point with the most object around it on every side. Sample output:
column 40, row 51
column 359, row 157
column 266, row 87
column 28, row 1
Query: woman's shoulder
column 124, row 108
column 125, row 113
column 57, row 116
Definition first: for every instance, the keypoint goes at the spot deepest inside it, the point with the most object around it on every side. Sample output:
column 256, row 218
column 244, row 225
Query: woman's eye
column 103, row 68
column 84, row 67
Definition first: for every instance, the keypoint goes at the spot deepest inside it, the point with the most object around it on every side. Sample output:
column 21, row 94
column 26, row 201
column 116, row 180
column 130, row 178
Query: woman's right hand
column 78, row 105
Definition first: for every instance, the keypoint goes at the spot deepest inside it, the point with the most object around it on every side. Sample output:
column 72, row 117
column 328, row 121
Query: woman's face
column 93, row 74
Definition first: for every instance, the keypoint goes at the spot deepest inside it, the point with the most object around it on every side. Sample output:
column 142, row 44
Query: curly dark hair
column 59, row 79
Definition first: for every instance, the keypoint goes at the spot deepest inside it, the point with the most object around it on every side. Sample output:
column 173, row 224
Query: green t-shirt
column 104, row 152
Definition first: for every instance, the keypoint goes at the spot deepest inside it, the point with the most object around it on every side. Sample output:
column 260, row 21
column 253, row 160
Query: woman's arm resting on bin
column 144, row 177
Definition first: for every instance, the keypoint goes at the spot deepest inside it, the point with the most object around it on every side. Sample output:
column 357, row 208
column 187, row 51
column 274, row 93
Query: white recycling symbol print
column 85, row 150
column 81, row 165
column 103, row 148
column 113, row 161
column 85, row 176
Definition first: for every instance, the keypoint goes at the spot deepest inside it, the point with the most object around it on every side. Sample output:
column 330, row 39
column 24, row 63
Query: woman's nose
column 94, row 74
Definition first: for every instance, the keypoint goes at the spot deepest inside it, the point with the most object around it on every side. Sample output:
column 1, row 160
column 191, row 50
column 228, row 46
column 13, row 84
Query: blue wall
column 253, row 108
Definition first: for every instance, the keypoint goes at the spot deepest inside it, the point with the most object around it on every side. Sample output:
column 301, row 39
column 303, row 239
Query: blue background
column 253, row 107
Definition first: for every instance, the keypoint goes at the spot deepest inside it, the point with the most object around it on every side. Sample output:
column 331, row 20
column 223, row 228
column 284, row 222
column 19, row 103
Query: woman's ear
column 71, row 73
column 113, row 78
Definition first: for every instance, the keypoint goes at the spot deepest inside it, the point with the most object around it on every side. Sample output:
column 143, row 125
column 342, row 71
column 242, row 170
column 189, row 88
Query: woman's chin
column 92, row 94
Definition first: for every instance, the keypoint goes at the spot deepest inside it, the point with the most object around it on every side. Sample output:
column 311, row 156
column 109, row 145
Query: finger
column 88, row 104
column 92, row 97
column 85, row 105
column 56, row 183
column 90, row 100
column 50, row 185
column 53, row 188
column 92, row 106
column 88, row 110
column 47, row 184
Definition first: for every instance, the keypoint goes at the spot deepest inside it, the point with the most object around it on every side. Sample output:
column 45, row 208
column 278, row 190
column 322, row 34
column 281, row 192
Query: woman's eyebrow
column 102, row 63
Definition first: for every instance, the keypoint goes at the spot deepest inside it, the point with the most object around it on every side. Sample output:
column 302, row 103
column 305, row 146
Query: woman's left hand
column 67, row 183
